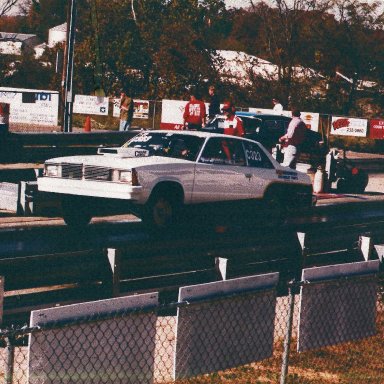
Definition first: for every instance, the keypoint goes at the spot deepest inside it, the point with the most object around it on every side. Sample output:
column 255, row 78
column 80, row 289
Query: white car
column 159, row 174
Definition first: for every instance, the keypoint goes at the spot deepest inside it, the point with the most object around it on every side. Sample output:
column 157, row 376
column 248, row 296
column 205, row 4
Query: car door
column 221, row 173
column 260, row 168
column 271, row 131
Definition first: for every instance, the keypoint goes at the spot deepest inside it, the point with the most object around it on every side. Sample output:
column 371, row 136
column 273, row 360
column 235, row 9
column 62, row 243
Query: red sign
column 376, row 129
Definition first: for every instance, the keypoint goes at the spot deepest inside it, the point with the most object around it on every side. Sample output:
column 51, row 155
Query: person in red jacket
column 194, row 113
column 233, row 125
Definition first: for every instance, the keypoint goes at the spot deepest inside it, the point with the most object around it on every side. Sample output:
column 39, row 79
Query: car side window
column 223, row 151
column 256, row 156
column 277, row 125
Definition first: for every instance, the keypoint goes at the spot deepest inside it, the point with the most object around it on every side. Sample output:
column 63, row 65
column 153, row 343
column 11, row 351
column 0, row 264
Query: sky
column 237, row 3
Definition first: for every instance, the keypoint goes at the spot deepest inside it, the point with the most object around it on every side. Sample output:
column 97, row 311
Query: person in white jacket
column 277, row 107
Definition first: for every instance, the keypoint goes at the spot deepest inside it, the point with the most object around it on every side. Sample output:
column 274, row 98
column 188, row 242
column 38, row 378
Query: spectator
column 4, row 118
column 233, row 125
column 277, row 107
column 194, row 113
column 214, row 103
column 126, row 111
column 293, row 139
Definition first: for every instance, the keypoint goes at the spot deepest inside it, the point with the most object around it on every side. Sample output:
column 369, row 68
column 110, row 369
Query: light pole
column 68, row 93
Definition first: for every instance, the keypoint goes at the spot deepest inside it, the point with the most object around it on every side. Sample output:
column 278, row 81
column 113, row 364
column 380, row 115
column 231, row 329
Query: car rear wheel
column 276, row 208
column 76, row 211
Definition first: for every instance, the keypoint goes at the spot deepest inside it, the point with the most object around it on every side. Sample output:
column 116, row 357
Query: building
column 17, row 43
column 57, row 35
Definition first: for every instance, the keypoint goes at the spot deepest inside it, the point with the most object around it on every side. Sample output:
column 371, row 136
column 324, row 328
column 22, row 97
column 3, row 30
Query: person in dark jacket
column 214, row 103
column 126, row 111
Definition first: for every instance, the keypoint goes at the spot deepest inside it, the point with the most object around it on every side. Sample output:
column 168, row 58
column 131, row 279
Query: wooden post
column 366, row 247
column 1, row 298
column 221, row 268
column 114, row 257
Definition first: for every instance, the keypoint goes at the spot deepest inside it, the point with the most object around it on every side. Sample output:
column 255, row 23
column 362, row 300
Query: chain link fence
column 330, row 332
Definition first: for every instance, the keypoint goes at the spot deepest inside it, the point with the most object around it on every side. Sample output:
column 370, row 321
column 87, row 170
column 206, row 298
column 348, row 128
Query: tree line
column 160, row 48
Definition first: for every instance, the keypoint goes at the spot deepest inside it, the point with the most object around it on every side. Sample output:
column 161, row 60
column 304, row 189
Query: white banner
column 349, row 126
column 42, row 107
column 172, row 114
column 311, row 120
column 140, row 111
column 91, row 105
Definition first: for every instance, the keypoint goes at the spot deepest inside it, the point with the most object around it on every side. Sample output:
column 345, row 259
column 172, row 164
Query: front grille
column 88, row 172
column 97, row 173
column 72, row 171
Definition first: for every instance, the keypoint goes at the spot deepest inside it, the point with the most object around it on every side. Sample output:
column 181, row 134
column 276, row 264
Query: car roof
column 262, row 115
column 183, row 132
column 201, row 134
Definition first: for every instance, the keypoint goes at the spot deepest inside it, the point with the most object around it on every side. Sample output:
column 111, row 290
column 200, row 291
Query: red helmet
column 228, row 107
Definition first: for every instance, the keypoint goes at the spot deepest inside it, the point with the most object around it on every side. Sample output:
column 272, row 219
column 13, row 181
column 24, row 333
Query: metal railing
column 250, row 337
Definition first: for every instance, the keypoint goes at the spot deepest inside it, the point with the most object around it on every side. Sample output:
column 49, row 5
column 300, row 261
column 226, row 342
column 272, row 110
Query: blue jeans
column 124, row 125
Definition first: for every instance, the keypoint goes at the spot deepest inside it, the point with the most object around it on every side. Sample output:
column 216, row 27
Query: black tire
column 276, row 208
column 162, row 211
column 76, row 211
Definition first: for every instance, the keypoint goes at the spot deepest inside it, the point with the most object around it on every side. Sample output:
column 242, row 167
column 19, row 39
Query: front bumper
column 108, row 190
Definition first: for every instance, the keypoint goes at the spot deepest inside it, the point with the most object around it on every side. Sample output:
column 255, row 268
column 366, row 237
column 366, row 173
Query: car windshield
column 176, row 145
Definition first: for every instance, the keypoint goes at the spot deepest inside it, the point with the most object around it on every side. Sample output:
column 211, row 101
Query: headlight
column 125, row 176
column 52, row 170
column 122, row 176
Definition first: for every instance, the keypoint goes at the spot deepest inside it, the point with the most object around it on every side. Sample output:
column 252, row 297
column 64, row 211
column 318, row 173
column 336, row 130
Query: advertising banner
column 140, row 111
column 31, row 106
column 349, row 126
column 311, row 120
column 91, row 105
column 172, row 114
column 376, row 129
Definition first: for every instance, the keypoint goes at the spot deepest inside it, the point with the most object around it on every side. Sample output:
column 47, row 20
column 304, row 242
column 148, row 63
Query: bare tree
column 7, row 6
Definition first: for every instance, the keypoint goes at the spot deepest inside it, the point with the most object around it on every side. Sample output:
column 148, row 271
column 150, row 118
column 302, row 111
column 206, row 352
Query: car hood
column 116, row 161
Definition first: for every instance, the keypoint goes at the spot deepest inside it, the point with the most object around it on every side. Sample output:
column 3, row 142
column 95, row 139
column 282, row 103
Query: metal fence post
column 10, row 351
column 288, row 335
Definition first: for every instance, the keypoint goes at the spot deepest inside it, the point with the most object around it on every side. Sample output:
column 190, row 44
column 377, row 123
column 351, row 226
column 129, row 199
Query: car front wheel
column 162, row 211
column 76, row 211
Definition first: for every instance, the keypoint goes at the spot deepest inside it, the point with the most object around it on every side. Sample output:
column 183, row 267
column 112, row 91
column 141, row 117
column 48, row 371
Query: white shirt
column 278, row 109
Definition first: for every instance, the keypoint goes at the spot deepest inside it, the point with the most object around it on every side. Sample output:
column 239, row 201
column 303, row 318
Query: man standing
column 4, row 118
column 126, row 111
column 194, row 113
column 233, row 125
column 214, row 104
column 277, row 107
column 292, row 140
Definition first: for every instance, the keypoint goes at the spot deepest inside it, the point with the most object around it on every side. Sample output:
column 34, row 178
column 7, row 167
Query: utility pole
column 70, row 45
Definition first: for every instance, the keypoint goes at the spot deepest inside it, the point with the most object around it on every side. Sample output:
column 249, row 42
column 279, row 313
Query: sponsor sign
column 40, row 107
column 172, row 114
column 91, row 105
column 349, row 126
column 311, row 120
column 140, row 111
column 376, row 129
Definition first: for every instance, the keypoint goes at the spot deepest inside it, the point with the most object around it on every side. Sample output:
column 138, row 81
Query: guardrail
column 36, row 147
column 161, row 264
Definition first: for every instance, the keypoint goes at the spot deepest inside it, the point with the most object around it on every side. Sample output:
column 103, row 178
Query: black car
column 266, row 129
